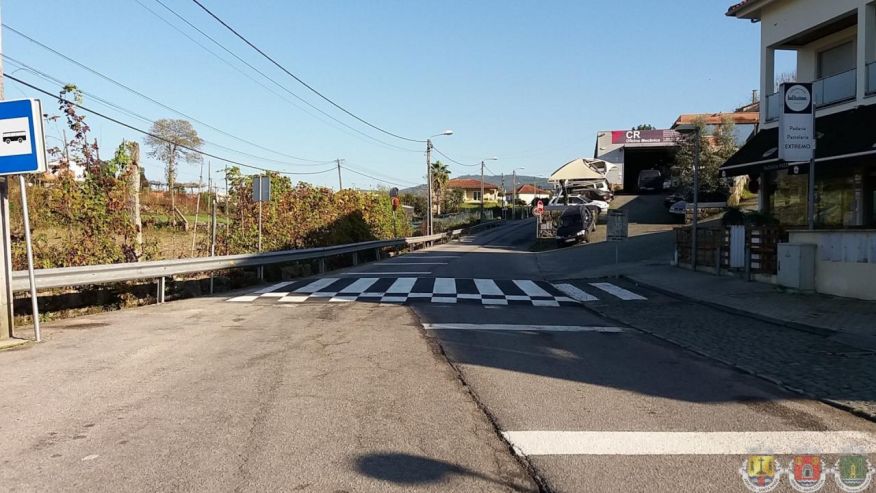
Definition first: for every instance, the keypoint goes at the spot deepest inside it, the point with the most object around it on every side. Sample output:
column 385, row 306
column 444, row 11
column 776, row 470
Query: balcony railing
column 836, row 89
column 871, row 78
column 773, row 107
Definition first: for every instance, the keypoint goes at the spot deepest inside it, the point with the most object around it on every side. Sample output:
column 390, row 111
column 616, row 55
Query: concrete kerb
column 819, row 331
column 6, row 344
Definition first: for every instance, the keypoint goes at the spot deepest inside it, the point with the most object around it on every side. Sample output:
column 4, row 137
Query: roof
column 577, row 169
column 739, row 118
column 842, row 137
column 469, row 184
column 738, row 9
column 531, row 189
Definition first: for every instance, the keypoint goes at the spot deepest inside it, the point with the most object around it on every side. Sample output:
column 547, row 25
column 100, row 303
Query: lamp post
column 482, row 183
column 429, row 178
column 514, row 191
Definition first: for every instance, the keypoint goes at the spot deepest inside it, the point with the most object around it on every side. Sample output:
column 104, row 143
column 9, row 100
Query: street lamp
column 514, row 190
column 482, row 182
column 429, row 178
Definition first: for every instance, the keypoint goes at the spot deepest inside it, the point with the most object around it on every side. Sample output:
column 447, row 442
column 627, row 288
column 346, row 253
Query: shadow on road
column 409, row 470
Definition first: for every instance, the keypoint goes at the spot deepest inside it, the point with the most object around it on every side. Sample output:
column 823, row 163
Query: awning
column 578, row 169
column 841, row 136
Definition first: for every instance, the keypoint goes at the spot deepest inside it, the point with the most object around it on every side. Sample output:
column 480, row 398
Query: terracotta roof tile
column 469, row 184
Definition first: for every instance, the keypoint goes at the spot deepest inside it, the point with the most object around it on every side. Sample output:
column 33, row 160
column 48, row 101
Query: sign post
column 617, row 231
column 393, row 197
column 22, row 151
column 261, row 192
column 797, row 133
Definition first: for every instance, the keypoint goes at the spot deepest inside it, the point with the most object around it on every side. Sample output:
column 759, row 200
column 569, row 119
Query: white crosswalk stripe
column 617, row 291
column 441, row 290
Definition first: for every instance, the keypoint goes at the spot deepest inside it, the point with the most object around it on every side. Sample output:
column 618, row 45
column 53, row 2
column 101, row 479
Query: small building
column 528, row 193
column 634, row 151
column 471, row 190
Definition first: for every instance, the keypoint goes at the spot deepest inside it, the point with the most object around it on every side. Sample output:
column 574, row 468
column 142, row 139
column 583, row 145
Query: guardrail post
column 718, row 261
column 747, row 263
column 376, row 254
column 322, row 265
column 355, row 258
column 160, row 295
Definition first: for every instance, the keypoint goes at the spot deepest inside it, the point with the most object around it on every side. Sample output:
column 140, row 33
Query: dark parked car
column 575, row 225
column 594, row 194
column 650, row 180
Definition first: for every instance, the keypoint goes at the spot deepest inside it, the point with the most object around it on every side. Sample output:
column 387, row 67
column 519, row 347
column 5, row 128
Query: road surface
column 473, row 366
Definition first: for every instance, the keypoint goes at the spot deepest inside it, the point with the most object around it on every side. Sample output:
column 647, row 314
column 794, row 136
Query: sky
column 528, row 82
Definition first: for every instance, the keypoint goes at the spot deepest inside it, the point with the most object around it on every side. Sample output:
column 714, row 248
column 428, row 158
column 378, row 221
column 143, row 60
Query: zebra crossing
column 446, row 290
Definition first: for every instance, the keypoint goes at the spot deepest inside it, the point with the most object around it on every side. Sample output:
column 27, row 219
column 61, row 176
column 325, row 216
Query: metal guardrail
column 159, row 269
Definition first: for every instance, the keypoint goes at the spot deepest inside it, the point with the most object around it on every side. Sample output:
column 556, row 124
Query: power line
column 305, row 84
column 54, row 80
column 453, row 160
column 263, row 74
column 148, row 98
column 368, row 176
column 383, row 176
column 150, row 134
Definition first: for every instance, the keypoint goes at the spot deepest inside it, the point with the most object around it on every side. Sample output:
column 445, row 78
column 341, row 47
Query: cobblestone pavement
column 818, row 366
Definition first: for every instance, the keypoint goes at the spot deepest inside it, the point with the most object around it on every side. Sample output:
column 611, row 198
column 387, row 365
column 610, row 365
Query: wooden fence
column 714, row 248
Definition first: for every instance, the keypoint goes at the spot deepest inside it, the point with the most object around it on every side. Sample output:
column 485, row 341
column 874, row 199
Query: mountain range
column 539, row 181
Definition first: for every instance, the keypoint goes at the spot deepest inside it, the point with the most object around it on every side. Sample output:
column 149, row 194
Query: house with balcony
column 834, row 42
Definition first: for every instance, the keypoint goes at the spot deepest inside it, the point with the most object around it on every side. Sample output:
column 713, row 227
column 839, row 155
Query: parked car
column 602, row 206
column 594, row 194
column 575, row 225
column 650, row 180
column 671, row 200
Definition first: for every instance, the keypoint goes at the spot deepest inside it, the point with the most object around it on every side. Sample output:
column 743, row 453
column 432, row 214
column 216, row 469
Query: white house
column 835, row 46
column 528, row 193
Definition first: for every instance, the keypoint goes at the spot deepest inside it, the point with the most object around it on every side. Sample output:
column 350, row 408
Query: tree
column 785, row 77
column 440, row 177
column 415, row 200
column 453, row 201
column 714, row 150
column 170, row 142
column 644, row 126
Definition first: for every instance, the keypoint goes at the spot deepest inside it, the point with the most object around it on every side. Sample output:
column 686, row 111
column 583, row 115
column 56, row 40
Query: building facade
column 835, row 46
column 471, row 190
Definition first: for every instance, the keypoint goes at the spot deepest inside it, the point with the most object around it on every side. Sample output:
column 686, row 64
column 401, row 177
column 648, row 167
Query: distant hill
column 539, row 181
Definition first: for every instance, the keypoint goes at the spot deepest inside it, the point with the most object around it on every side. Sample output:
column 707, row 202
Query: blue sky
column 529, row 82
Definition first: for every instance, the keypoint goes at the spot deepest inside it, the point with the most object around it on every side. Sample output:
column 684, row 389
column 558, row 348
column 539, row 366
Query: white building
column 835, row 46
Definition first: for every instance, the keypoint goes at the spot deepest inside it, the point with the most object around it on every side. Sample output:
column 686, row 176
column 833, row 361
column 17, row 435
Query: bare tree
column 172, row 141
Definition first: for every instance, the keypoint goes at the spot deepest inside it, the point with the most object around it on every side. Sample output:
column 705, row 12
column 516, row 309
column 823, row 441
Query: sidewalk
column 849, row 321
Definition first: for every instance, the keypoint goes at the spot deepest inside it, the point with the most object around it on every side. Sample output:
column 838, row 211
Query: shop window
column 788, row 200
column 839, row 201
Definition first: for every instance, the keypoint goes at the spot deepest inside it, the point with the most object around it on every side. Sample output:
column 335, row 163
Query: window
column 477, row 195
column 837, row 60
column 788, row 198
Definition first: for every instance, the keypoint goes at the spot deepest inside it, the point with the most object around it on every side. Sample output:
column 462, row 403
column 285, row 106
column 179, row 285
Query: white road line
column 575, row 293
column 384, row 273
column 393, row 299
column 690, row 443
column 359, row 286
column 294, row 298
column 316, row 285
column 431, row 256
column 402, row 285
column 343, row 298
column 388, row 264
column 490, row 301
column 522, row 328
column 531, row 288
column 444, row 299
column 274, row 287
column 275, row 294
column 488, row 286
column 545, row 303
column 244, row 299
column 617, row 291
column 444, row 285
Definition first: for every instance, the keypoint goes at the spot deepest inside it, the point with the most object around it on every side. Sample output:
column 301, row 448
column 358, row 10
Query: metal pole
column 29, row 247
column 261, row 269
column 429, row 186
column 696, row 198
column 482, row 190
column 340, row 180
column 513, row 193
column 811, row 208
column 213, row 229
column 7, row 317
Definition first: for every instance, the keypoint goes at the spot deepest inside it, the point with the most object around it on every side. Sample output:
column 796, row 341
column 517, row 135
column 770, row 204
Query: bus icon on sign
column 19, row 136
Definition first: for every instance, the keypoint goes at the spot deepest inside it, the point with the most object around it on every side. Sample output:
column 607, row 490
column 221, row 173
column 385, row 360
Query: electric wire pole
column 429, row 186
column 482, row 190
column 340, row 180
column 6, row 317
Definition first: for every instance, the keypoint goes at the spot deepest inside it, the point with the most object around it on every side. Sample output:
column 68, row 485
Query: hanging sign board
column 618, row 226
column 261, row 188
column 797, row 123
column 22, row 141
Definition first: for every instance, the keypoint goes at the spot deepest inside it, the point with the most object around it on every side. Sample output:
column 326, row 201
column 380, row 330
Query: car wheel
column 20, row 140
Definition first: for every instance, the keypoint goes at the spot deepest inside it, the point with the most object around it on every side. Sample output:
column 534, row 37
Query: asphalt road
column 418, row 373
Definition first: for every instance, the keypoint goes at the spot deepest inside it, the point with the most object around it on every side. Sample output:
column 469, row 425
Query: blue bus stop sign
column 22, row 142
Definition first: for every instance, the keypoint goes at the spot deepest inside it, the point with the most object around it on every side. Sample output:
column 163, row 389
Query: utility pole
column 429, row 186
column 513, row 192
column 340, row 180
column 482, row 190
column 504, row 196
column 696, row 198
column 6, row 317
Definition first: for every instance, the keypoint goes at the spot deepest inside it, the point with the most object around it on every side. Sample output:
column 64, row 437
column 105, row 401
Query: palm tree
column 440, row 177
